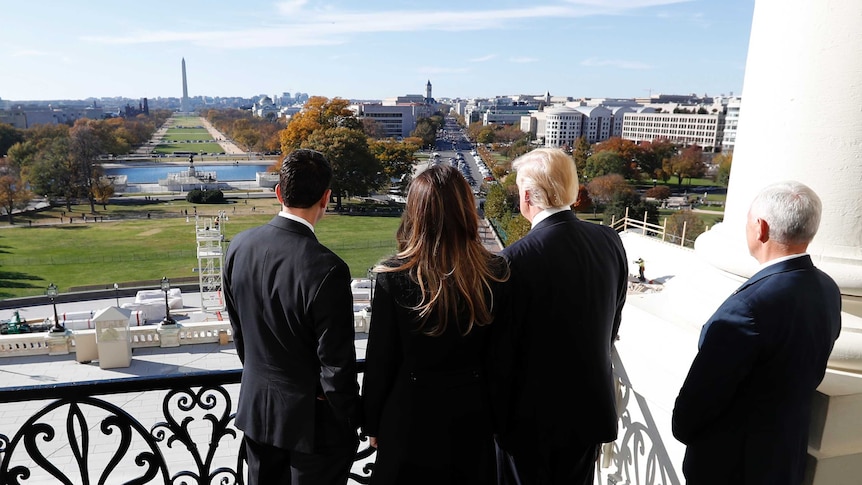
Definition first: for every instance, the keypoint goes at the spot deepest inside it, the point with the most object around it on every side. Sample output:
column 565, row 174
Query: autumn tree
column 653, row 155
column 580, row 153
column 103, row 190
column 686, row 164
column 397, row 158
column 628, row 150
column 583, row 203
column 605, row 163
column 473, row 130
column 659, row 192
column 84, row 150
column 355, row 170
column 13, row 191
column 319, row 113
column 602, row 189
column 724, row 162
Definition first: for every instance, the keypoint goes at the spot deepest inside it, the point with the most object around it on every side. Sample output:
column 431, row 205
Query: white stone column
column 800, row 119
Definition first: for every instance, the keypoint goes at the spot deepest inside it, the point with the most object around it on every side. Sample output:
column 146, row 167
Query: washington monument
column 184, row 104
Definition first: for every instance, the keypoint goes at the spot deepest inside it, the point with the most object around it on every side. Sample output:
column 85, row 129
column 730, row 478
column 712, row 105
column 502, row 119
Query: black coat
column 425, row 398
column 568, row 286
column 291, row 310
column 745, row 405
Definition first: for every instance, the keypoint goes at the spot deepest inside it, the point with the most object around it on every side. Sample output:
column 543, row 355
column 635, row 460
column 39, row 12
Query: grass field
column 188, row 147
column 140, row 248
column 179, row 135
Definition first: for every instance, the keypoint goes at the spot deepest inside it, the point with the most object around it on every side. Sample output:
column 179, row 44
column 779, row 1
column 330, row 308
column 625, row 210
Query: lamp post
column 52, row 293
column 372, row 276
column 166, row 286
column 117, row 294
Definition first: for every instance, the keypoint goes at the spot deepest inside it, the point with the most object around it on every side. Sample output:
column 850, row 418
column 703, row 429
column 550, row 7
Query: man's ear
column 762, row 230
column 278, row 195
column 325, row 199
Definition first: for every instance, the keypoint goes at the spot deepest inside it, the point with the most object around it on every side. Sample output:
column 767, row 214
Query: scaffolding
column 209, row 236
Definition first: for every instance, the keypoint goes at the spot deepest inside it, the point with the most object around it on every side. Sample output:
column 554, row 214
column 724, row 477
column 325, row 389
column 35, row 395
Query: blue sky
column 372, row 49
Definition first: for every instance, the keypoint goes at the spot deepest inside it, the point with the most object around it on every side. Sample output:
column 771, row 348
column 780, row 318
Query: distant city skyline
column 54, row 50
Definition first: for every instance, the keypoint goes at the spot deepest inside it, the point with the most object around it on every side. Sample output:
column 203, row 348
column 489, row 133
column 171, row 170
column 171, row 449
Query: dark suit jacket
column 291, row 310
column 744, row 408
column 568, row 287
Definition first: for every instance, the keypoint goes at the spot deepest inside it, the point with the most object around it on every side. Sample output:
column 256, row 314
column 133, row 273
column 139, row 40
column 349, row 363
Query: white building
column 565, row 124
column 704, row 130
column 393, row 121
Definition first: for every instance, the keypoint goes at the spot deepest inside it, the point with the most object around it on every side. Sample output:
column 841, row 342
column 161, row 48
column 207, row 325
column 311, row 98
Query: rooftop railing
column 180, row 430
column 103, row 432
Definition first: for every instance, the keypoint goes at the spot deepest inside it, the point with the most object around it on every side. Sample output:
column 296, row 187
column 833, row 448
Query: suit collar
column 291, row 225
column 802, row 262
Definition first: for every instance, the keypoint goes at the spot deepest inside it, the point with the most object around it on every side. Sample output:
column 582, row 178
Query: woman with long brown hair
column 425, row 391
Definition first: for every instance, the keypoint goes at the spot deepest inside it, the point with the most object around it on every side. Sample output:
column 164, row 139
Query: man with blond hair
column 569, row 281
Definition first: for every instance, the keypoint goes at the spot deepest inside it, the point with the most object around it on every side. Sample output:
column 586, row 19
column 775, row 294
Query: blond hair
column 550, row 176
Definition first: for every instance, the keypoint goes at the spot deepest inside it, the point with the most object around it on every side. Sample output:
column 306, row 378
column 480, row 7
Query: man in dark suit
column 569, row 281
column 744, row 408
column 291, row 310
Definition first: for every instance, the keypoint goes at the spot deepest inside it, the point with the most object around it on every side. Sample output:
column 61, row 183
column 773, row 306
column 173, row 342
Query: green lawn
column 186, row 135
column 140, row 248
column 188, row 147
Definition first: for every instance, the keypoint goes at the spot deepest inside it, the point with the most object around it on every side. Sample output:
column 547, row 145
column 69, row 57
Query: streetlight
column 372, row 276
column 52, row 293
column 117, row 294
column 166, row 286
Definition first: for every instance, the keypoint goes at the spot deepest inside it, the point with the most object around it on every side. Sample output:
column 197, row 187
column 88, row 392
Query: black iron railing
column 97, row 432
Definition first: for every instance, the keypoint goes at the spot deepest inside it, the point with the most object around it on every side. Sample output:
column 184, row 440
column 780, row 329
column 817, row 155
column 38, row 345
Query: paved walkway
column 228, row 146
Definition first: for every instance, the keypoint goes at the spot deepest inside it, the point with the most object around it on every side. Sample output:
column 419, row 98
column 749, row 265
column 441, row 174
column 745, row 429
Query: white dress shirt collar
column 298, row 219
column 779, row 260
column 541, row 216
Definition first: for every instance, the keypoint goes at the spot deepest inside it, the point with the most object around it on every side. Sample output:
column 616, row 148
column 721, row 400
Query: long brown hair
column 440, row 248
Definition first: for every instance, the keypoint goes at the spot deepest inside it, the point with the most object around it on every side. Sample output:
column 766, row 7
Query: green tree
column 605, row 163
column 355, row 169
column 724, row 161
column 517, row 226
column 53, row 172
column 426, row 130
column 637, row 207
column 497, row 202
column 687, row 222
column 9, row 135
column 486, row 135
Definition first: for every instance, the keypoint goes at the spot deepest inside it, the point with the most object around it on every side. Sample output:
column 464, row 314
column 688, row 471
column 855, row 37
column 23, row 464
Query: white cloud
column 621, row 64
column 290, row 7
column 523, row 60
column 483, row 58
column 329, row 26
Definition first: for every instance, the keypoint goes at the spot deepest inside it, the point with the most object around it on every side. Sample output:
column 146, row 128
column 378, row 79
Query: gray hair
column 791, row 209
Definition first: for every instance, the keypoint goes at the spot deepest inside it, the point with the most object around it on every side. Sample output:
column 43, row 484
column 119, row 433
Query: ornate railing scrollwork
column 58, row 443
column 639, row 456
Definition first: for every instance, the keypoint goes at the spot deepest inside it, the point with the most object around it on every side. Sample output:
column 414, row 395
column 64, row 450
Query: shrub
column 207, row 196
